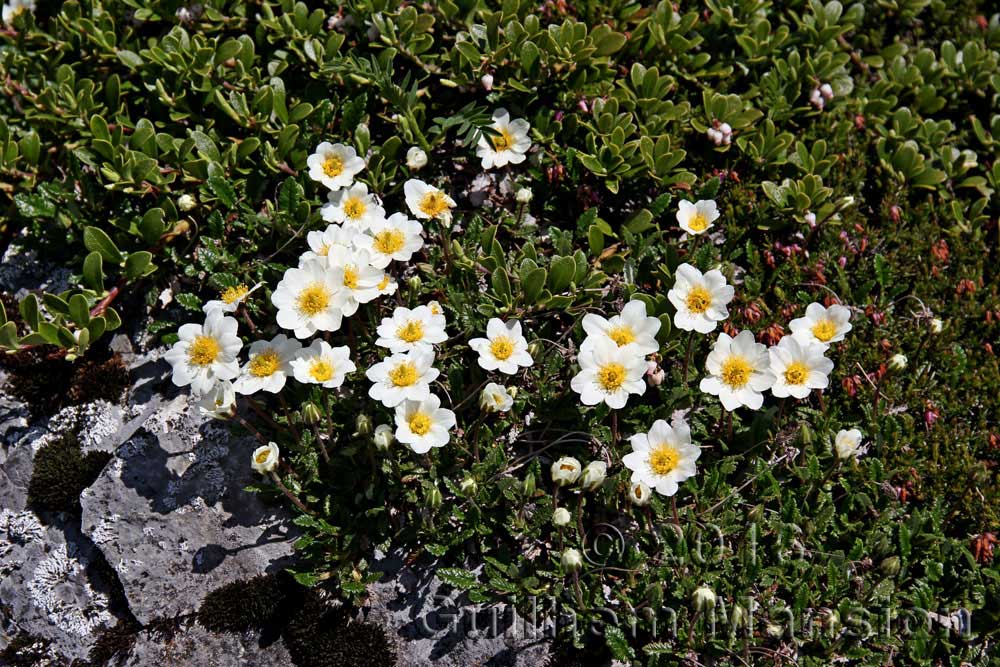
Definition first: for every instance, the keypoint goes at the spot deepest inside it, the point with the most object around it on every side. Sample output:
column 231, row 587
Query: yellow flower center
column 233, row 294
column 265, row 364
column 434, row 203
column 262, row 457
column 351, row 277
column 622, row 335
column 323, row 251
column 796, row 373
column 385, row 282
column 313, row 299
column 354, row 207
column 736, row 372
column 320, row 370
column 203, row 351
column 611, row 377
column 435, row 309
column 412, row 331
column 420, row 423
column 403, row 375
column 389, row 241
column 664, row 459
column 503, row 141
column 638, row 492
column 502, row 347
column 698, row 223
column 824, row 330
column 333, row 166
column 698, row 300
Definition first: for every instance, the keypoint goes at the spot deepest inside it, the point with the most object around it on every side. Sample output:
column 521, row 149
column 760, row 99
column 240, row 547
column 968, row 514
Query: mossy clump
column 46, row 382
column 114, row 644
column 319, row 636
column 245, row 605
column 26, row 650
column 62, row 471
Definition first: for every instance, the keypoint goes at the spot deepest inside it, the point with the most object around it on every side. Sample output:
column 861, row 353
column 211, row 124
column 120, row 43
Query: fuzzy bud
column 898, row 362
column 416, row 158
column 639, row 494
column 363, row 425
column 383, row 437
column 561, row 517
column 311, row 414
column 593, row 476
column 528, row 486
column 468, row 487
column 571, row 560
column 186, row 202
column 524, row 195
column 433, row 498
column 703, row 598
column 566, row 471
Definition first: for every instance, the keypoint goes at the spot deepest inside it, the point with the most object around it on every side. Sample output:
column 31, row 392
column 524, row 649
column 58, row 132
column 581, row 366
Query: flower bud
column 726, row 129
column 416, row 158
column 265, row 459
column 592, row 477
column 740, row 616
column 810, row 219
column 487, row 82
column 571, row 560
column 639, row 494
column 383, row 437
column 890, row 566
column 468, row 487
column 495, row 398
column 898, row 362
column 528, row 486
column 524, row 195
column 186, row 202
column 534, row 348
column 703, row 598
column 936, row 325
column 826, row 90
column 414, row 283
column 433, row 498
column 311, row 414
column 847, row 444
column 363, row 425
column 561, row 517
column 566, row 471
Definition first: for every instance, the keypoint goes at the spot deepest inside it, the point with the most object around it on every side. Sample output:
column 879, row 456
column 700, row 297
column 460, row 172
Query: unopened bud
column 528, row 486
column 311, row 414
column 363, row 425
column 186, row 202
column 524, row 195
column 571, row 560
column 936, row 325
column 561, row 517
column 468, row 487
column 433, row 498
column 890, row 566
column 703, row 598
column 383, row 437
column 898, row 362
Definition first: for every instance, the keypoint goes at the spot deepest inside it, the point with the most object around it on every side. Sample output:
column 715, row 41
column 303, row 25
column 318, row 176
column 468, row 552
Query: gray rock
column 170, row 513
column 21, row 270
column 437, row 625
column 193, row 646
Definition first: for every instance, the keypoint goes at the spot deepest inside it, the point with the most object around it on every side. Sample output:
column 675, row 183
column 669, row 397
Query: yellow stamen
column 323, row 251
column 403, row 375
column 389, row 241
column 203, row 351
column 333, row 166
column 412, row 331
column 265, row 364
column 232, row 294
column 321, row 370
column 262, row 457
column 698, row 223
column 824, row 330
column 354, row 208
column 385, row 282
column 502, row 347
column 313, row 299
column 796, row 373
column 664, row 459
column 698, row 300
column 611, row 377
column 622, row 335
column 503, row 141
column 420, row 423
column 434, row 203
column 351, row 277
column 736, row 372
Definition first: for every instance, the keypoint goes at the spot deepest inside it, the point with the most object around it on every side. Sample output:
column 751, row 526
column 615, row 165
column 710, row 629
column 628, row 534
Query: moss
column 564, row 654
column 246, row 605
column 61, row 472
column 27, row 650
column 42, row 378
column 319, row 636
column 114, row 644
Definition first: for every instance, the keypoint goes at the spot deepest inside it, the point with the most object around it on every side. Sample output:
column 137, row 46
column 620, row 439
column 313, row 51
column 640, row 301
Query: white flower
column 593, row 476
column 608, row 373
column 268, row 366
column 334, row 165
column 524, row 196
column 848, row 444
column 898, row 361
column 510, row 143
column 639, row 494
column 321, row 242
column 387, row 285
column 571, row 560
column 306, row 299
column 632, row 330
column 14, row 8
column 822, row 325
column 356, row 279
column 424, row 424
column 566, row 471
column 323, row 365
column 703, row 598
column 662, row 458
column 436, row 308
column 561, row 517
column 383, row 437
column 495, row 398
column 231, row 298
column 219, row 401
column 401, row 377
column 205, row 353
column 426, row 201
column 393, row 238
column 504, row 349
column 798, row 367
column 411, row 329
column 698, row 217
column 700, row 299
column 416, row 158
column 738, row 371
column 353, row 207
column 186, row 202
column 936, row 325
column 265, row 459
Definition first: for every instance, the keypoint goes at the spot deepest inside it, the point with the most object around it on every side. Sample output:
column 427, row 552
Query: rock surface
column 194, row 646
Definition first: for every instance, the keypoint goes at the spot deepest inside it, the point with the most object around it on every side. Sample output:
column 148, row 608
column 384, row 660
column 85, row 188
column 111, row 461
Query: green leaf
column 223, row 190
column 532, row 284
column 139, row 264
column 35, row 205
column 561, row 273
column 501, row 285
column 79, row 310
column 131, row 59
column 151, row 227
column 93, row 271
column 618, row 644
column 97, row 241
column 8, row 336
column 113, row 319
column 29, row 311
